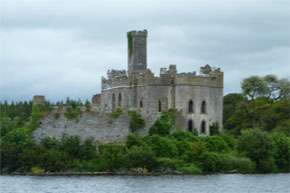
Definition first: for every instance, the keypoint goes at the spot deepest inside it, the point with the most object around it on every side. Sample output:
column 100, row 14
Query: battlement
column 138, row 33
column 115, row 78
column 208, row 76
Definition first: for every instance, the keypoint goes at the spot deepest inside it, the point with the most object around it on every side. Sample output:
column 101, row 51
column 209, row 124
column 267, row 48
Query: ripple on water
column 221, row 183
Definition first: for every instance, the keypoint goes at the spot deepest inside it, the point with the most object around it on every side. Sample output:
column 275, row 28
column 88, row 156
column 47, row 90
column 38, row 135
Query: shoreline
column 121, row 173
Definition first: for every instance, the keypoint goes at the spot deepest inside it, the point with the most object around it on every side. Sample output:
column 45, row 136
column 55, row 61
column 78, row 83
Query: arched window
column 203, row 107
column 141, row 104
column 113, row 102
column 159, row 106
column 190, row 126
column 119, row 100
column 203, row 126
column 190, row 106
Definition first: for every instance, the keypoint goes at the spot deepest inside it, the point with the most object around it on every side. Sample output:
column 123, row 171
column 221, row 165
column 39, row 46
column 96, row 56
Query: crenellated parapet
column 116, row 78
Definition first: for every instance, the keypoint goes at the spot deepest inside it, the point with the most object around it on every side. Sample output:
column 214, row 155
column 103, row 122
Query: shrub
column 71, row 145
column 142, row 157
column 216, row 143
column 112, row 157
column 169, row 163
column 266, row 165
column 89, row 149
column 282, row 156
column 259, row 147
column 185, row 136
column 70, row 113
column 37, row 170
column 90, row 165
column 136, row 122
column 117, row 113
column 134, row 140
column 55, row 161
column 190, row 169
column 161, row 126
column 162, row 146
column 230, row 163
column 214, row 129
column 209, row 162
column 229, row 139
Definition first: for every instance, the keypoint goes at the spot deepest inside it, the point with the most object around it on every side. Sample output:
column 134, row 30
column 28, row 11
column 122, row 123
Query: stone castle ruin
column 197, row 100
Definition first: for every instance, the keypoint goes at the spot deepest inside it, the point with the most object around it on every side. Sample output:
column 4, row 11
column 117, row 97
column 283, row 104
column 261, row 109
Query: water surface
column 220, row 183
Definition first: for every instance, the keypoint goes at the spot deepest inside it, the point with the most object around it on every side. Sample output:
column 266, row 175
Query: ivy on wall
column 130, row 43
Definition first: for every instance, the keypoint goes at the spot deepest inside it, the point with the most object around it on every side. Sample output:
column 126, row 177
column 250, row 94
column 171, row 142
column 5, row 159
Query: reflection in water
column 226, row 183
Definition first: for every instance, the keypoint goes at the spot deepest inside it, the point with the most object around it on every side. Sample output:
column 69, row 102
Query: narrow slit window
column 203, row 127
column 119, row 100
column 203, row 107
column 159, row 106
column 190, row 106
column 190, row 126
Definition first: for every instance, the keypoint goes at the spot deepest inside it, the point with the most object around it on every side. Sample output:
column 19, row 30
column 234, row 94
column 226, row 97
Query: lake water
column 232, row 183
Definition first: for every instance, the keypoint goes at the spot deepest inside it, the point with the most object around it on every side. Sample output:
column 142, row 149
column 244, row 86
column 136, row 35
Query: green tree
column 259, row 147
column 253, row 87
column 230, row 105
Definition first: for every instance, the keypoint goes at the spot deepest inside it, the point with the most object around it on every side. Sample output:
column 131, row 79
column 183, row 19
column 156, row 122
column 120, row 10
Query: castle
column 197, row 99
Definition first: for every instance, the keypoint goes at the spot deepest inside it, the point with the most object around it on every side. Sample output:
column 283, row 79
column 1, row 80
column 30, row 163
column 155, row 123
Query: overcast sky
column 63, row 48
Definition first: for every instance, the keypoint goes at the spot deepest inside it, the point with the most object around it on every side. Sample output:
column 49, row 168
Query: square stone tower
column 137, row 50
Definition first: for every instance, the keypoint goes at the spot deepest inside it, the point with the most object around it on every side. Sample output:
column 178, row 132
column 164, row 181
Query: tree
column 253, row 87
column 231, row 102
column 259, row 147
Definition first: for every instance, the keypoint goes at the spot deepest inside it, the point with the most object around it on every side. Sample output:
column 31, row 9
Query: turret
column 137, row 50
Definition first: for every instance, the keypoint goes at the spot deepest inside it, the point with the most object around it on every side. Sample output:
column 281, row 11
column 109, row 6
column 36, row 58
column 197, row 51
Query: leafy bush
column 230, row 163
column 266, row 165
column 209, row 162
column 134, row 140
column 169, row 163
column 190, row 169
column 259, row 147
column 55, row 161
column 161, row 126
column 282, row 156
column 71, row 145
column 88, row 165
column 72, row 113
column 37, row 170
column 185, row 136
column 229, row 139
column 89, row 150
column 141, row 156
column 136, row 122
column 112, row 157
column 162, row 146
column 216, row 143
column 214, row 129
column 117, row 113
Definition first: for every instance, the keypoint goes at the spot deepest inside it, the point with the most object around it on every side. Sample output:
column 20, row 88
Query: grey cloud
column 63, row 48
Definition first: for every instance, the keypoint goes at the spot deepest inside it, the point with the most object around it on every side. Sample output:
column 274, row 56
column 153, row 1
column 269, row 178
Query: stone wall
column 100, row 127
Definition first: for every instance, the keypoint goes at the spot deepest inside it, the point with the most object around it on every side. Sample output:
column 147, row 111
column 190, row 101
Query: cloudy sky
column 63, row 48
